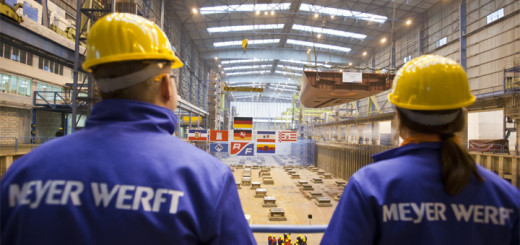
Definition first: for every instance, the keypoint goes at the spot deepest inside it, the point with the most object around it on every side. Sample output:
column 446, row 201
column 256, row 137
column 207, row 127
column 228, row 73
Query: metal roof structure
column 286, row 35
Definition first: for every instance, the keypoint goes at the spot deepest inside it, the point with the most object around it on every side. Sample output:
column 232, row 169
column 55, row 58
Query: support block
column 307, row 187
column 246, row 181
column 295, row 176
column 314, row 194
column 337, row 197
column 255, row 185
column 260, row 192
column 323, row 202
column 327, row 176
column 341, row 183
column 277, row 214
column 317, row 180
column 269, row 202
column 238, row 185
column 302, row 182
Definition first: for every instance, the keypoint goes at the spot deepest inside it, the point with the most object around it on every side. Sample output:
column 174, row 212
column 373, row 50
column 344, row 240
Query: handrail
column 288, row 228
column 15, row 142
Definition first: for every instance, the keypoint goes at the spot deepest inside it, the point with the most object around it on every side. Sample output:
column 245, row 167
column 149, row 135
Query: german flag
column 265, row 148
column 242, row 134
column 243, row 122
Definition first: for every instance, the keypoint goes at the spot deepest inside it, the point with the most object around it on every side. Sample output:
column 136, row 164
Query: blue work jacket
column 123, row 179
column 400, row 199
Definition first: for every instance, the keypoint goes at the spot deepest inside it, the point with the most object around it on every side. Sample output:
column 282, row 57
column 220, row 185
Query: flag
column 266, row 148
column 242, row 134
column 243, row 122
column 242, row 149
column 219, row 135
column 266, row 136
column 218, row 147
column 287, row 136
column 198, row 134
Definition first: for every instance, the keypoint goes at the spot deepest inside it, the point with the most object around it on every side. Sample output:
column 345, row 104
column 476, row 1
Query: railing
column 23, row 143
column 288, row 228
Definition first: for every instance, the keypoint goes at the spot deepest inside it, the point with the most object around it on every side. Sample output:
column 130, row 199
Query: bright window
column 495, row 15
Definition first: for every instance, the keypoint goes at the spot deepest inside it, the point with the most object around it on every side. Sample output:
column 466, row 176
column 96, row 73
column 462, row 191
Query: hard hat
column 431, row 82
column 126, row 37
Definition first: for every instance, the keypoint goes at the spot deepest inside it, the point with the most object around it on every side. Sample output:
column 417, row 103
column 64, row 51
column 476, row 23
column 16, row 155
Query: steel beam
column 462, row 33
column 273, row 54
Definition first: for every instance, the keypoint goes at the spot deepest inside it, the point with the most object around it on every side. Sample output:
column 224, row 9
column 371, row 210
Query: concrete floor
column 288, row 195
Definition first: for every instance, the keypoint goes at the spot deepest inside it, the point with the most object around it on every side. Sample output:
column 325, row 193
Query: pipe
column 288, row 228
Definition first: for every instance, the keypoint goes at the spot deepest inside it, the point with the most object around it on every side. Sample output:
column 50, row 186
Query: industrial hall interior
column 294, row 96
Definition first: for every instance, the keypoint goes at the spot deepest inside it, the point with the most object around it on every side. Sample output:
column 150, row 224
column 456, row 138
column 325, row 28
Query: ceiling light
column 194, row 10
column 319, row 35
column 245, row 28
column 216, row 58
column 408, row 22
column 318, row 45
column 219, row 65
column 316, row 15
column 244, row 8
column 342, row 12
column 332, row 16
column 350, row 64
column 340, row 70
column 383, row 40
column 328, row 31
column 246, row 67
column 365, row 53
column 239, row 42
column 258, row 12
column 266, row 13
column 245, row 61
column 272, row 12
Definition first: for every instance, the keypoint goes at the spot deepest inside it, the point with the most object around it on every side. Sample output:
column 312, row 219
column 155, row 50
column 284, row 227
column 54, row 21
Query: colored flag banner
column 242, row 122
column 198, row 134
column 218, row 147
column 242, row 134
column 266, row 136
column 218, row 135
column 265, row 148
column 287, row 136
column 242, row 149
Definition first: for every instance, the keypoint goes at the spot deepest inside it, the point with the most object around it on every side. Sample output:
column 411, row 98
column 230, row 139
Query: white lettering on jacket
column 127, row 197
column 56, row 192
column 131, row 197
column 417, row 213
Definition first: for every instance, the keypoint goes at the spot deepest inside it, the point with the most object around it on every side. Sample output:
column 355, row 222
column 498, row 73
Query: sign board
column 218, row 147
column 219, row 135
column 242, row 149
column 352, row 77
column 287, row 136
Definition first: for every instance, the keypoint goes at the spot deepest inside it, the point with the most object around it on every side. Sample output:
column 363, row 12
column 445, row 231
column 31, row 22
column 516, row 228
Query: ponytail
column 457, row 164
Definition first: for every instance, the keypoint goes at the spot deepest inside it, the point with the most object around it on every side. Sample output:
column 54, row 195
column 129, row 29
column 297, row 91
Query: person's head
column 430, row 93
column 131, row 58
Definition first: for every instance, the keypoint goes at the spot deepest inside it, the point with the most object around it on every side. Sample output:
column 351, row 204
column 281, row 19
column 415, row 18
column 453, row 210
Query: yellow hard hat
column 126, row 37
column 431, row 82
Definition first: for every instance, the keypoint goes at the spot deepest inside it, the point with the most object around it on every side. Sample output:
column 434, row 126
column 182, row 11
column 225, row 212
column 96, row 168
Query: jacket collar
column 406, row 149
column 144, row 116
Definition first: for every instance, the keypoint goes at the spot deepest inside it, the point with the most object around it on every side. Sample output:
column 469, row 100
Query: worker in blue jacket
column 429, row 190
column 124, row 178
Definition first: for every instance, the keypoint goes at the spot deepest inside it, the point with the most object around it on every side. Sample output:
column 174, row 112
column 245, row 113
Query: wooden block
column 307, row 187
column 291, row 172
column 321, row 172
column 337, row 197
column 255, row 166
column 327, row 176
column 314, row 194
column 260, row 192
column 255, row 185
column 323, row 202
column 246, row 181
column 268, row 182
column 269, row 202
column 340, row 183
column 266, row 173
column 295, row 176
column 301, row 182
column 317, row 180
column 246, row 174
column 277, row 214
column 238, row 184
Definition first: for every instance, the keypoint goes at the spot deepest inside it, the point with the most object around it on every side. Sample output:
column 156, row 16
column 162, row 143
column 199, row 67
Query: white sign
column 352, row 77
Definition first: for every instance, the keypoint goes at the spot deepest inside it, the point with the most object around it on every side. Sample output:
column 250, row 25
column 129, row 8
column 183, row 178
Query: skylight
column 328, row 31
column 239, row 42
column 318, row 45
column 244, row 8
column 225, row 62
column 246, row 67
column 288, row 73
column 245, row 28
column 291, row 67
column 245, row 73
column 305, row 63
column 343, row 12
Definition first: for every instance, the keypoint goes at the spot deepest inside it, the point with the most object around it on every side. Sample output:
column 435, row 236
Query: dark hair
column 457, row 164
